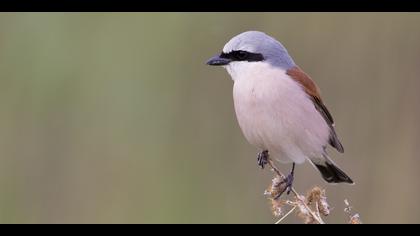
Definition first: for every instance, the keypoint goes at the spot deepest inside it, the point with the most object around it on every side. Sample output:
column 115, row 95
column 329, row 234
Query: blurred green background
column 115, row 118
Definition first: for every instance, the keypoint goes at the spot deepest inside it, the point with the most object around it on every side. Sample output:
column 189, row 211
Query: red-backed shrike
column 278, row 106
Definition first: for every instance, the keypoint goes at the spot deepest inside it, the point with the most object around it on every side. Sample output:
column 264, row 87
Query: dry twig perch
column 300, row 203
column 309, row 208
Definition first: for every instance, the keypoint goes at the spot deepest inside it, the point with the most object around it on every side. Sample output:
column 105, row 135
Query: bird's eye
column 242, row 55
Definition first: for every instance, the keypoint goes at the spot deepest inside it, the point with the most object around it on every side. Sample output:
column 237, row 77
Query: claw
column 262, row 159
column 288, row 182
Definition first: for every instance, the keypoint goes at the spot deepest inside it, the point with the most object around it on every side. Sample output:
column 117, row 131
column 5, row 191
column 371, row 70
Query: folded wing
column 313, row 91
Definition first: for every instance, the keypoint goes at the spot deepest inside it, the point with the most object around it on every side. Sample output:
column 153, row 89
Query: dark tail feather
column 331, row 173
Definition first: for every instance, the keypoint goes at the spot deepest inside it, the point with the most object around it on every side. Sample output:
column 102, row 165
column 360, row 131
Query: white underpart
column 276, row 114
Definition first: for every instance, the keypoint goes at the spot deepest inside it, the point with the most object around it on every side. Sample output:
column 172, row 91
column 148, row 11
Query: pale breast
column 275, row 113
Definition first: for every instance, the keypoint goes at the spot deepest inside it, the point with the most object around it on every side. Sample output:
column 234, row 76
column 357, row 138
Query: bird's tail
column 330, row 171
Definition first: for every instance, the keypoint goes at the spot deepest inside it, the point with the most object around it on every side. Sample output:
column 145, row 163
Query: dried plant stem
column 317, row 210
column 297, row 195
column 285, row 215
column 353, row 219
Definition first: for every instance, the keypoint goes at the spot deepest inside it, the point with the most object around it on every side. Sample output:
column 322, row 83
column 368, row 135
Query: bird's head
column 250, row 48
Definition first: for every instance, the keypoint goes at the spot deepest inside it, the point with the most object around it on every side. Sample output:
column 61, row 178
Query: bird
column 278, row 106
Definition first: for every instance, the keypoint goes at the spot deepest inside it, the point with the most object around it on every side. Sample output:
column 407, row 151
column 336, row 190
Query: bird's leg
column 262, row 158
column 287, row 183
column 289, row 179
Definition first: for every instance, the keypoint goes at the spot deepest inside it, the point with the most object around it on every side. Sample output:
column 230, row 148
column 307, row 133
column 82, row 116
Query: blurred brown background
column 115, row 118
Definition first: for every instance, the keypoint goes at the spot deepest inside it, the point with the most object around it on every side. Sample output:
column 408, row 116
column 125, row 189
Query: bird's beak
column 218, row 61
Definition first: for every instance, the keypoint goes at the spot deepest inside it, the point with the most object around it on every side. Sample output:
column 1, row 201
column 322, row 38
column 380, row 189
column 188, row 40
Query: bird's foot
column 288, row 182
column 262, row 159
column 289, row 179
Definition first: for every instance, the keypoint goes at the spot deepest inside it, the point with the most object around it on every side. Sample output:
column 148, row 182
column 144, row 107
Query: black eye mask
column 242, row 56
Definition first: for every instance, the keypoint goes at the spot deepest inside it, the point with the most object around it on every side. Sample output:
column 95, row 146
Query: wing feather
column 314, row 93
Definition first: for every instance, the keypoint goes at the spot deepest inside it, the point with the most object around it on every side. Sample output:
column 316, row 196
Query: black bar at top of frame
column 210, row 5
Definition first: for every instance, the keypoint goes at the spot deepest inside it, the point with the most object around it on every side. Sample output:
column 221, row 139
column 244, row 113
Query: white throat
column 242, row 69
